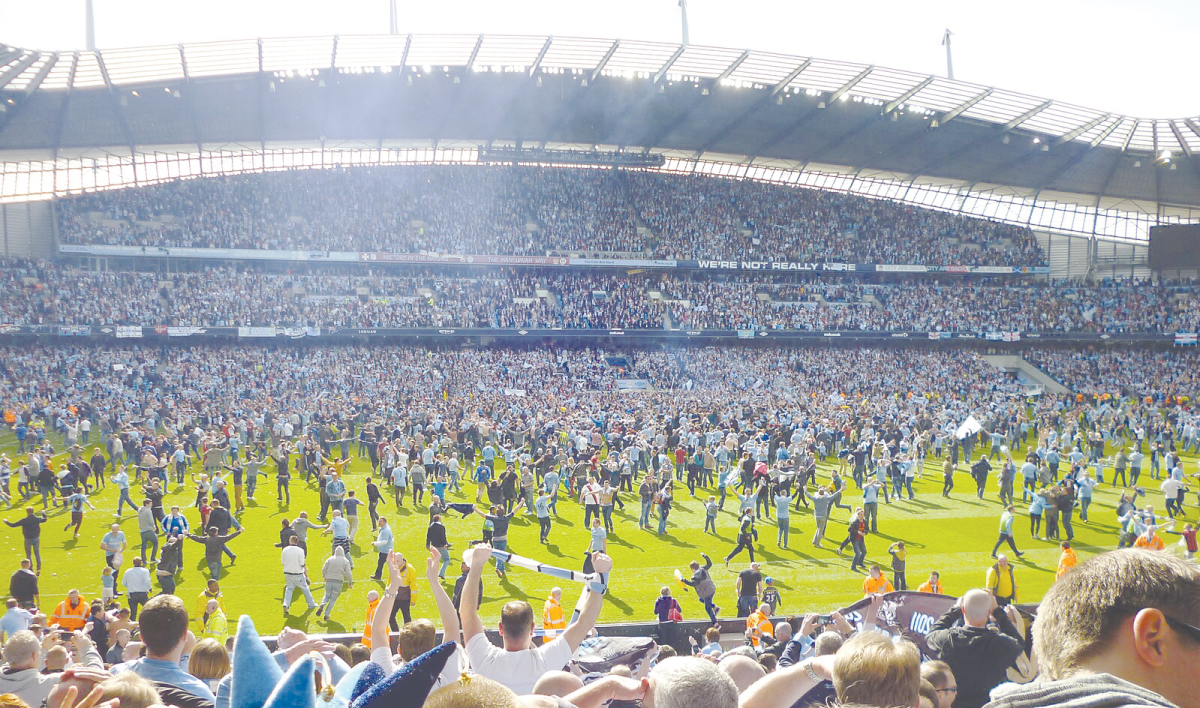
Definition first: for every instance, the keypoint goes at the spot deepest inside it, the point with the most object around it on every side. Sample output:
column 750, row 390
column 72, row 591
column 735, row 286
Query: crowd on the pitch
column 36, row 292
column 535, row 211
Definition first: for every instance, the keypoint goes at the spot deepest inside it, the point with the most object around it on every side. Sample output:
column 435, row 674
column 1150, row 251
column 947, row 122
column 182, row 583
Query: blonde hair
column 479, row 692
column 873, row 670
column 209, row 660
column 1082, row 609
column 416, row 638
column 132, row 690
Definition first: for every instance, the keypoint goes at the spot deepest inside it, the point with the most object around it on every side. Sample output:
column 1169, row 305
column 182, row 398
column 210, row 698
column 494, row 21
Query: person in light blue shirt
column 121, row 479
column 551, row 480
column 1084, row 484
column 112, row 543
column 541, row 507
column 1036, row 507
column 782, row 516
column 166, row 648
column 335, row 489
column 1029, row 475
column 14, row 620
column 383, row 546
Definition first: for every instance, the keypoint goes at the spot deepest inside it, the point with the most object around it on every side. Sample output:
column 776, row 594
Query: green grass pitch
column 953, row 536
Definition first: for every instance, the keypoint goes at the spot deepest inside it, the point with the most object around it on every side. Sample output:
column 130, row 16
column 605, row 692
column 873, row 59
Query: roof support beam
column 29, row 90
column 62, row 111
column 116, row 104
column 754, row 108
column 604, row 62
column 1079, row 158
column 1026, row 116
column 783, row 83
column 187, row 83
column 670, row 62
column 926, row 167
column 537, row 63
column 17, row 69
column 733, row 66
column 1187, row 149
column 1096, row 141
column 41, row 75
column 851, row 83
column 1192, row 158
column 9, row 55
column 262, row 102
column 899, row 100
column 956, row 112
column 1191, row 123
column 404, row 54
column 1068, row 137
column 333, row 54
column 474, row 53
column 1158, row 203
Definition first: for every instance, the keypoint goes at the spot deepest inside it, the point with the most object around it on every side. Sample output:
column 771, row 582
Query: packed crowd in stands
column 35, row 292
column 133, row 380
column 535, row 211
column 1093, row 372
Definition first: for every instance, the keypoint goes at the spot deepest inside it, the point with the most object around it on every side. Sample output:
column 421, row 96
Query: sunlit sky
column 1135, row 57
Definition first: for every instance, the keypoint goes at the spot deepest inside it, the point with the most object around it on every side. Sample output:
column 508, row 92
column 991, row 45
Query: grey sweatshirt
column 1091, row 691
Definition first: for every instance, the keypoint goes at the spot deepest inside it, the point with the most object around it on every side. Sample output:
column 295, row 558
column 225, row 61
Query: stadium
column 620, row 310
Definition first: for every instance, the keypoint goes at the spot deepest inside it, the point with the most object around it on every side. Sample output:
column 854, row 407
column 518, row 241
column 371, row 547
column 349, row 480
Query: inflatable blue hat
column 255, row 671
column 409, row 686
column 298, row 689
column 369, row 676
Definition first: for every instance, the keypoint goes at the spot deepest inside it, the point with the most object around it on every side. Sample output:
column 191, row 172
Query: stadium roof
column 635, row 95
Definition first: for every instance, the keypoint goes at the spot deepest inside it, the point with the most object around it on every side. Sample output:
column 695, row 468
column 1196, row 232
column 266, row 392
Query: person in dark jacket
column 170, row 560
column 705, row 588
column 978, row 654
column 31, row 531
column 435, row 537
column 23, row 586
column 214, row 545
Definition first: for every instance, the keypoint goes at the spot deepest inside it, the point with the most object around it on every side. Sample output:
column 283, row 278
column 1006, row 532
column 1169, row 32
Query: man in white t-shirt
column 519, row 664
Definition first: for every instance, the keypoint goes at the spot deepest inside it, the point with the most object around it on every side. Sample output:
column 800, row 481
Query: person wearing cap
column 770, row 595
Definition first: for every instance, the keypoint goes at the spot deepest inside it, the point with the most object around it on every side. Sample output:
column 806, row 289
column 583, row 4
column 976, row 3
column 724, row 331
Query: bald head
column 557, row 683
column 976, row 607
column 743, row 670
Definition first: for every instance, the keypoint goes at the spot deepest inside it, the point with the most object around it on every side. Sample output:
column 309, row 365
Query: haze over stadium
column 543, row 292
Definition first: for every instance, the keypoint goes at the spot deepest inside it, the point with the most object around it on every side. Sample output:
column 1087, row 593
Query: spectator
column 518, row 664
column 1119, row 627
column 164, row 631
column 978, row 654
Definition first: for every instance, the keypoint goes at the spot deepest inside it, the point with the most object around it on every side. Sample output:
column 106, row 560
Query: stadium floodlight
column 1036, row 140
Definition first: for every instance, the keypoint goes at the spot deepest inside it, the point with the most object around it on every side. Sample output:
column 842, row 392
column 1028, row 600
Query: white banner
column 970, row 426
column 128, row 332
column 256, row 331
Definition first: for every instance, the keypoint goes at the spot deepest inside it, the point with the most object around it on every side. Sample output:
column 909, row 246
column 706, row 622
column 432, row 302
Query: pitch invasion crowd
column 767, row 443
column 491, row 210
column 746, row 424
column 37, row 292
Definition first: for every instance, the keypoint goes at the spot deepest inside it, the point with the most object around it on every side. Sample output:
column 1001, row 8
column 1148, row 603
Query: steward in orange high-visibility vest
column 72, row 613
column 552, row 614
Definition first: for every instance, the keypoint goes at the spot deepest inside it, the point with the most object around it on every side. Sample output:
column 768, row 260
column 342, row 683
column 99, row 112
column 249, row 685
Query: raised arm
column 446, row 611
column 786, row 686
column 579, row 629
column 468, row 606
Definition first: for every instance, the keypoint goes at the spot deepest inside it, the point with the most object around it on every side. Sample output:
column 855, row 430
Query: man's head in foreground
column 1130, row 613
